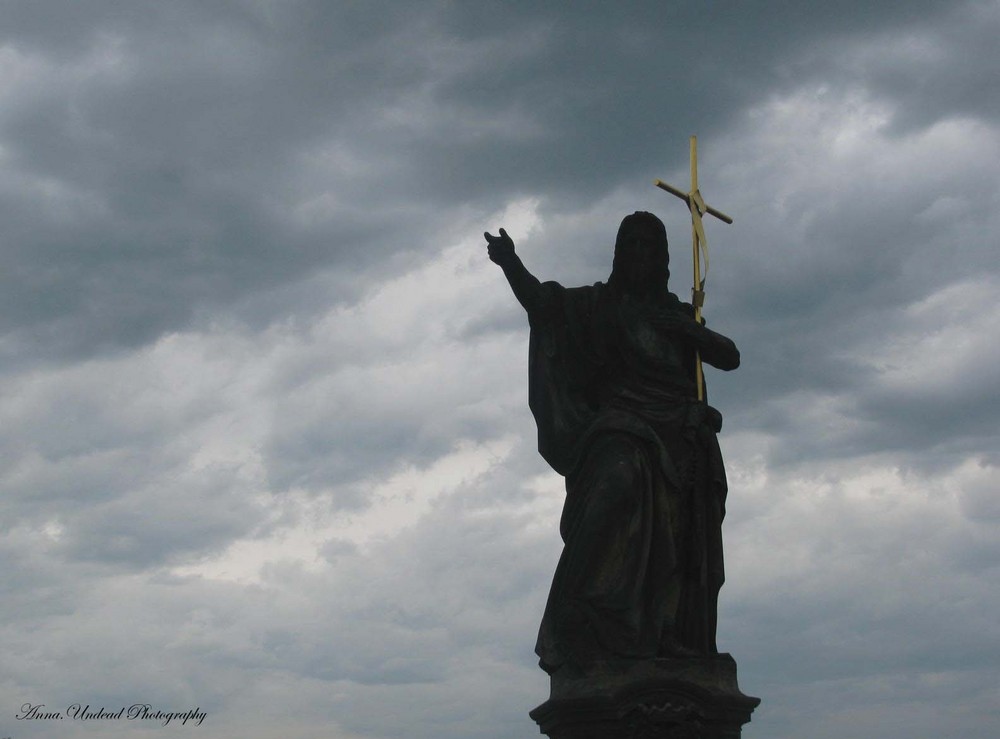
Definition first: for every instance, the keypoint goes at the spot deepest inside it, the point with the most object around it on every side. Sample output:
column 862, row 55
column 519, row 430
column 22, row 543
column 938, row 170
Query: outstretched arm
column 525, row 285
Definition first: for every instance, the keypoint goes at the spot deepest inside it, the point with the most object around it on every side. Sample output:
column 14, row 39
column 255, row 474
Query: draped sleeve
column 565, row 364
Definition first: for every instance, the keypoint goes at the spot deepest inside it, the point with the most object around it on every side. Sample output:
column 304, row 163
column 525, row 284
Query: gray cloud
column 178, row 160
column 264, row 437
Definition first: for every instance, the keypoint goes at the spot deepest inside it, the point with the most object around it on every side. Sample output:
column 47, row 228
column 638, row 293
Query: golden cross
column 699, row 246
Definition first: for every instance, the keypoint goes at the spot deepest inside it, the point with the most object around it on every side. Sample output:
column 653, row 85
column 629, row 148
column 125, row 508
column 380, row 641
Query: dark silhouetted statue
column 612, row 388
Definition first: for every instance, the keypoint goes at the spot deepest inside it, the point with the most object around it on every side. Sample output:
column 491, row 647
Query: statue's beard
column 639, row 279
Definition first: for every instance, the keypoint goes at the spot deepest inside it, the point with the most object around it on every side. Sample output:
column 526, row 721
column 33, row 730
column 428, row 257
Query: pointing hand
column 500, row 248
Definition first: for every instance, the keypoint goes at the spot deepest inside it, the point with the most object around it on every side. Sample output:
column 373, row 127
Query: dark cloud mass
column 264, row 443
column 239, row 148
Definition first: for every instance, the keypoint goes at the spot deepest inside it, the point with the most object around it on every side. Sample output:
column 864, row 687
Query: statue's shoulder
column 591, row 291
column 567, row 305
column 553, row 292
column 580, row 290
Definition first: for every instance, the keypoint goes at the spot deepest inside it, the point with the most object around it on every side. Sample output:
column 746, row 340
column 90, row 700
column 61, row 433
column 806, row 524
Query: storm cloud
column 263, row 425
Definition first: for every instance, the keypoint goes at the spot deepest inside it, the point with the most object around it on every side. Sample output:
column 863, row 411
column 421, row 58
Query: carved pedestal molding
column 681, row 698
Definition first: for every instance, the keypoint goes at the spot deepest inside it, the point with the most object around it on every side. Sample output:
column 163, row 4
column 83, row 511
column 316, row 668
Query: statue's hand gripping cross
column 699, row 245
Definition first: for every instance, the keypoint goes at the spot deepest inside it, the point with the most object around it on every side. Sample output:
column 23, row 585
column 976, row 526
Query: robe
column 617, row 414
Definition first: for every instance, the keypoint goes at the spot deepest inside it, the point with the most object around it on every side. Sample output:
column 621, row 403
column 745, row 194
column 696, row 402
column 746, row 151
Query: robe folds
column 617, row 415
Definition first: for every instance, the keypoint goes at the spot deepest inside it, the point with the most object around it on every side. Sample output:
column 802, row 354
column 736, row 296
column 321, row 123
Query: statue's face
column 640, row 242
column 640, row 254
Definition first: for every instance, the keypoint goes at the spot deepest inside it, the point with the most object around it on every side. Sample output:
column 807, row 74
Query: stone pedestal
column 676, row 698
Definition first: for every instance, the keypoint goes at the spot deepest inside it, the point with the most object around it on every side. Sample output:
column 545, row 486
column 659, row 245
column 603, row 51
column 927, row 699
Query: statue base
column 673, row 698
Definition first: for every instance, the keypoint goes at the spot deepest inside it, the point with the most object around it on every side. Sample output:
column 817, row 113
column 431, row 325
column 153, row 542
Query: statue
column 614, row 390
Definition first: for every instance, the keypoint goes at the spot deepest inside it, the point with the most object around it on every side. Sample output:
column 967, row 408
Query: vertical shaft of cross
column 696, row 266
column 699, row 245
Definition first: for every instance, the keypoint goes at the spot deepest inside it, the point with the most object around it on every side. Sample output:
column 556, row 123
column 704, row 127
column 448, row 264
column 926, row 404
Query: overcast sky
column 264, row 432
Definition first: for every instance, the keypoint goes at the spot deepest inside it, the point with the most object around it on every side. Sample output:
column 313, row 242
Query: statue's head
column 642, row 262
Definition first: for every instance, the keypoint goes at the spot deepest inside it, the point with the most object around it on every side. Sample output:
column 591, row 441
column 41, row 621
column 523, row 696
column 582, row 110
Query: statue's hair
column 661, row 259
